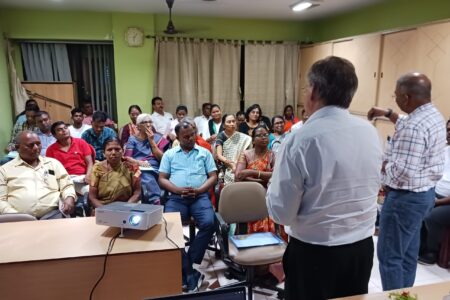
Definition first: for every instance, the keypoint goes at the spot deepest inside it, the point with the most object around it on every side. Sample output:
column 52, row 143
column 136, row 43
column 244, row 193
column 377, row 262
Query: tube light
column 302, row 6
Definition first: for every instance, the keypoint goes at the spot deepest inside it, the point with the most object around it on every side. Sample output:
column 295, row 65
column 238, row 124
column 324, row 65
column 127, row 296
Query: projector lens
column 135, row 220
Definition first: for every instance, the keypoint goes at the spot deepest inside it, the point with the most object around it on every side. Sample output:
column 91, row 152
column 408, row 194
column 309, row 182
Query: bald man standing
column 34, row 184
column 413, row 163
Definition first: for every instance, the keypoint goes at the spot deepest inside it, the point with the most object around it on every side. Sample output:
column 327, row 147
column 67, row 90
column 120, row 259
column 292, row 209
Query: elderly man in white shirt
column 161, row 119
column 324, row 188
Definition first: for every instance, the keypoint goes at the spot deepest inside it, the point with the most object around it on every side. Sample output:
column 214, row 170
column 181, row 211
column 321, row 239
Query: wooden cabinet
column 364, row 53
column 308, row 56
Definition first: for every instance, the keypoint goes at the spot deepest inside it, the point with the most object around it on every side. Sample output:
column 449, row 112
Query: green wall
column 134, row 67
column 5, row 102
column 389, row 14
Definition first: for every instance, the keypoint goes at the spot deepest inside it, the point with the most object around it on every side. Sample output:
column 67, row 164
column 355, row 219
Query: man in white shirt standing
column 77, row 129
column 324, row 188
column 202, row 121
column 161, row 119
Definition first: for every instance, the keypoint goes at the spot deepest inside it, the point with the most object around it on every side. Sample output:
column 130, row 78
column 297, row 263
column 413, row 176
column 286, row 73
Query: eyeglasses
column 262, row 135
column 146, row 122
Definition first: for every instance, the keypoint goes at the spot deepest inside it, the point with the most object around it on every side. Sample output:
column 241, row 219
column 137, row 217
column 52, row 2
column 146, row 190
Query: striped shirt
column 415, row 156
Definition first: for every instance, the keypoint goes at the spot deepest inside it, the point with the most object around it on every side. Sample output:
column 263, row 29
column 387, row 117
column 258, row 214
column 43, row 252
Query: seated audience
column 180, row 113
column 74, row 154
column 202, row 121
column 35, row 185
column 299, row 124
column 29, row 124
column 437, row 220
column 187, row 172
column 98, row 134
column 29, row 104
column 199, row 139
column 88, row 114
column 161, row 119
column 229, row 146
column 146, row 149
column 215, row 125
column 289, row 118
column 77, row 128
column 253, row 118
column 131, row 128
column 277, row 135
column 113, row 179
column 240, row 118
column 44, row 123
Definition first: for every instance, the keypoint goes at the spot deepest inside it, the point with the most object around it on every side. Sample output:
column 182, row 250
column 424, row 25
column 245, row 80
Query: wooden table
column 62, row 259
column 435, row 291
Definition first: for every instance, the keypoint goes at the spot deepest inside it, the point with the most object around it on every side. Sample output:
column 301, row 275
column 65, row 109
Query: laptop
column 231, row 293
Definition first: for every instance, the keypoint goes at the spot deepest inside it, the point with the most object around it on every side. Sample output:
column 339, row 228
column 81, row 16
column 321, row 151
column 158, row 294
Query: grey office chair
column 16, row 218
column 243, row 202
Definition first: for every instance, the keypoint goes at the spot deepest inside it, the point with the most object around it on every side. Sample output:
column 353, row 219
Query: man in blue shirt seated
column 187, row 172
column 98, row 134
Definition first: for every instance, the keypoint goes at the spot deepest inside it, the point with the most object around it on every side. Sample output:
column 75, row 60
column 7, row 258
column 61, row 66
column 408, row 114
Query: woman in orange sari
column 256, row 165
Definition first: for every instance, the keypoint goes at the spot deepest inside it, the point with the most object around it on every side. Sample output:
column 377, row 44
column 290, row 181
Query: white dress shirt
column 202, row 126
column 162, row 122
column 326, row 179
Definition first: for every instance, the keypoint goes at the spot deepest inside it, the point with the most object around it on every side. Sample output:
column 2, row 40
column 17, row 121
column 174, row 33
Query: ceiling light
column 301, row 6
column 304, row 4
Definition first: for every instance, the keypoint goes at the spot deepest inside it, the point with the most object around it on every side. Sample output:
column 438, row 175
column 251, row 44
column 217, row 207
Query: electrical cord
column 167, row 234
column 110, row 247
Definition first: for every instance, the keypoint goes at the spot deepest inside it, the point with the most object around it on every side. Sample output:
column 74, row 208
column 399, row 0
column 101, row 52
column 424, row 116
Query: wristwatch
column 389, row 113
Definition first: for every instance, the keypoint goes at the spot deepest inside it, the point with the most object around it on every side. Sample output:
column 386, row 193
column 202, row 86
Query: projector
column 129, row 215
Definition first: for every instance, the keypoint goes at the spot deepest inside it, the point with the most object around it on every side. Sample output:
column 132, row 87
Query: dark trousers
column 324, row 272
column 433, row 228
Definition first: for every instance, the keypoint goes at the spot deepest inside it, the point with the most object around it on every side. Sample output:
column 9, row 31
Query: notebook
column 232, row 293
column 255, row 240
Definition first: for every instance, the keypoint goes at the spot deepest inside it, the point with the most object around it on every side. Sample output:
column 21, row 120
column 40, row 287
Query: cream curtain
column 18, row 92
column 271, row 75
column 194, row 71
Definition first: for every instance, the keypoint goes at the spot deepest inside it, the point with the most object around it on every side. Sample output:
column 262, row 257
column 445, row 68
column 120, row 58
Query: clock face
column 134, row 37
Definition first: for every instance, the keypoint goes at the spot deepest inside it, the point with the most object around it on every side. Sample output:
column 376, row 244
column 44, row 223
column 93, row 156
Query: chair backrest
column 243, row 202
column 16, row 218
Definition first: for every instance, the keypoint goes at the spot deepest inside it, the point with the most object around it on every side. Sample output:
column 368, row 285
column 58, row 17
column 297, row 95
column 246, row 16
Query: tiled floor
column 214, row 275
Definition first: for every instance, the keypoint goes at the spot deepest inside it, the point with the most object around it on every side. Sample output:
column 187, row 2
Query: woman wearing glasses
column 146, row 149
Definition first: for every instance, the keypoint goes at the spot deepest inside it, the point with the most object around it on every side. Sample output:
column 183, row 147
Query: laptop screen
column 232, row 293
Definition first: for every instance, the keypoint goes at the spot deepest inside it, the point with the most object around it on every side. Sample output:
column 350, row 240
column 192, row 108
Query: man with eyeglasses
column 33, row 184
column 326, row 191
column 187, row 172
column 413, row 163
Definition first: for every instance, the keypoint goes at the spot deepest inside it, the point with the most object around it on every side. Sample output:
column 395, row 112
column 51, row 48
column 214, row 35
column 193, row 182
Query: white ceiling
column 249, row 9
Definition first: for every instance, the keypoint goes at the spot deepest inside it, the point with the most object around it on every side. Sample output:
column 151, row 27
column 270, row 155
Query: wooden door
column 364, row 53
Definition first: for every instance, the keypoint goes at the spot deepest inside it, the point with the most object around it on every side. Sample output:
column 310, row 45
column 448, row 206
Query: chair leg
column 250, row 276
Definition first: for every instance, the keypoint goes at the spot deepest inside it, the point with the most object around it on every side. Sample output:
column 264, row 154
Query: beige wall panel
column 364, row 53
column 385, row 128
column 434, row 60
column 308, row 56
column 399, row 56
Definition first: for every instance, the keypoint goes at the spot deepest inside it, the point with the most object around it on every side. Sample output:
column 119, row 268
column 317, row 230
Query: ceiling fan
column 170, row 29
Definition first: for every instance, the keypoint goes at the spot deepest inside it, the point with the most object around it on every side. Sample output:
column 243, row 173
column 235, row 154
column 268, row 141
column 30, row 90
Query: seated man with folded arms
column 98, row 134
column 187, row 172
column 35, row 185
column 74, row 154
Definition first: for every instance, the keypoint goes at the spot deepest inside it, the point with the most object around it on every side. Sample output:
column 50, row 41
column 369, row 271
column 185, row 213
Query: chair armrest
column 222, row 231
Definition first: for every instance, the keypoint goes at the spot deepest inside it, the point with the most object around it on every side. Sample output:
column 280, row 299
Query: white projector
column 129, row 215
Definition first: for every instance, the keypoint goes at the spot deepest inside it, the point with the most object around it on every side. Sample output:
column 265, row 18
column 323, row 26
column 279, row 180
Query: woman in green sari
column 229, row 146
column 114, row 179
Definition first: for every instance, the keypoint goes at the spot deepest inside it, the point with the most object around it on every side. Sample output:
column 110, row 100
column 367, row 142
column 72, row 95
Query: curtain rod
column 61, row 41
column 161, row 37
